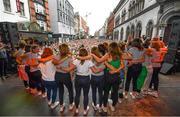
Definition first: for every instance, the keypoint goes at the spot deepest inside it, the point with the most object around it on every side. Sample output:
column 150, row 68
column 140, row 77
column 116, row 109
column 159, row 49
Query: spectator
column 3, row 61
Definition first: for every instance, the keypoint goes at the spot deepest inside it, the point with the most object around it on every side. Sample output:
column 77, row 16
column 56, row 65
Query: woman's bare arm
column 96, row 70
column 102, row 59
column 141, row 60
column 109, row 66
column 57, row 62
column 67, row 69
column 46, row 59
column 84, row 58
column 119, row 69
column 126, row 56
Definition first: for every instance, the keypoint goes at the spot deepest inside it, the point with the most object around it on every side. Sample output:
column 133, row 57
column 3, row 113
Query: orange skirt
column 22, row 73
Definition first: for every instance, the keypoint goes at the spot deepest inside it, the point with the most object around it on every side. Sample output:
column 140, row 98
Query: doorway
column 168, row 29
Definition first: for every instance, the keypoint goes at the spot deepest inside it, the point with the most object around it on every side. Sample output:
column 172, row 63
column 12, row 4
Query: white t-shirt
column 84, row 69
column 48, row 71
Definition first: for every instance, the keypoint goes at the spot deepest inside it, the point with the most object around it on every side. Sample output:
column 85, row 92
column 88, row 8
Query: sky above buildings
column 97, row 10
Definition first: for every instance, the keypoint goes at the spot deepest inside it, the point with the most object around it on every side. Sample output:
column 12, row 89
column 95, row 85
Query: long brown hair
column 114, row 51
column 95, row 51
column 155, row 45
column 82, row 53
column 47, row 52
column 64, row 50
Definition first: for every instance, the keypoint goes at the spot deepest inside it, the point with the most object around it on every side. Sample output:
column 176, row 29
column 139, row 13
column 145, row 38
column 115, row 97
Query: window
column 41, row 2
column 42, row 25
column 63, row 18
column 116, row 35
column 22, row 9
column 39, row 8
column 135, row 6
column 117, row 20
column 142, row 4
column 122, row 34
column 132, row 31
column 130, row 9
column 123, row 15
column 149, row 29
column 138, row 30
column 60, row 16
column 7, row 5
column 127, row 32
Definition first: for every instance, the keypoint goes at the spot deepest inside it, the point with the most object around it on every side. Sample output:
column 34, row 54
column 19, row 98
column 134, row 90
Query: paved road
column 15, row 101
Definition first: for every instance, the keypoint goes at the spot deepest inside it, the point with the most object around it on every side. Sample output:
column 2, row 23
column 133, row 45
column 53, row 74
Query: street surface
column 16, row 101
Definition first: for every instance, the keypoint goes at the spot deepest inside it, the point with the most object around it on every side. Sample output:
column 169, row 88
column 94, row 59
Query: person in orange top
column 163, row 48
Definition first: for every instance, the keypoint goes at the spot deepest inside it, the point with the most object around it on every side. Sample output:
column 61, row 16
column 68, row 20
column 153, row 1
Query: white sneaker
column 100, row 109
column 110, row 101
column 49, row 103
column 71, row 106
column 105, row 109
column 62, row 107
column 54, row 105
column 39, row 93
column 139, row 96
column 44, row 95
column 119, row 101
column 145, row 92
column 125, row 96
column 112, row 107
column 154, row 94
column 77, row 111
column 94, row 107
column 150, row 90
column 27, row 88
column 133, row 95
column 86, row 111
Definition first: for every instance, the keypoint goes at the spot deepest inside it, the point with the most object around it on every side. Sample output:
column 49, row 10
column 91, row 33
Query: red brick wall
column 110, row 26
column 33, row 13
column 47, row 15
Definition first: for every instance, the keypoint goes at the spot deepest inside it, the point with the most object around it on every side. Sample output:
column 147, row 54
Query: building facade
column 81, row 27
column 110, row 26
column 14, row 11
column 39, row 13
column 62, row 19
column 102, row 34
column 152, row 18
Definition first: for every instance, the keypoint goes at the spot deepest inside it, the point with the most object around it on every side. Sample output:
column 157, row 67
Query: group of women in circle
column 102, row 70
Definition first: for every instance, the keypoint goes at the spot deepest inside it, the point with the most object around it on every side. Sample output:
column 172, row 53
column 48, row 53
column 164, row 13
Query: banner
column 18, row 5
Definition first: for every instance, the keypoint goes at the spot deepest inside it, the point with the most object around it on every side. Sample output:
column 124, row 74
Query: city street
column 96, row 44
column 16, row 101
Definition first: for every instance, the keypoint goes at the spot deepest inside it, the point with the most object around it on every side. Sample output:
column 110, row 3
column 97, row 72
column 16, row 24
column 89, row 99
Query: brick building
column 39, row 12
column 110, row 26
column 81, row 27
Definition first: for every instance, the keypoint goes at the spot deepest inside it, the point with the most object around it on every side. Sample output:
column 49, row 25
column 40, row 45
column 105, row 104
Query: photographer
column 3, row 61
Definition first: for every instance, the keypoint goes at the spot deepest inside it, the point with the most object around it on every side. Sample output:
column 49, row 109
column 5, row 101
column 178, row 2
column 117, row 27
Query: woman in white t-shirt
column 82, row 80
column 48, row 72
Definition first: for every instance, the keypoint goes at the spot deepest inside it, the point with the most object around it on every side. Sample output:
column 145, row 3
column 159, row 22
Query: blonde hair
column 64, row 50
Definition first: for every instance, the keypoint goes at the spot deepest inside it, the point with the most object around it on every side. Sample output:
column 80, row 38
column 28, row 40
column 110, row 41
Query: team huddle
column 103, row 67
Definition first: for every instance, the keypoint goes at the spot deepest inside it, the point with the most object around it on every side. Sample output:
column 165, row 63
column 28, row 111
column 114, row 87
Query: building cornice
column 139, row 14
column 118, row 6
